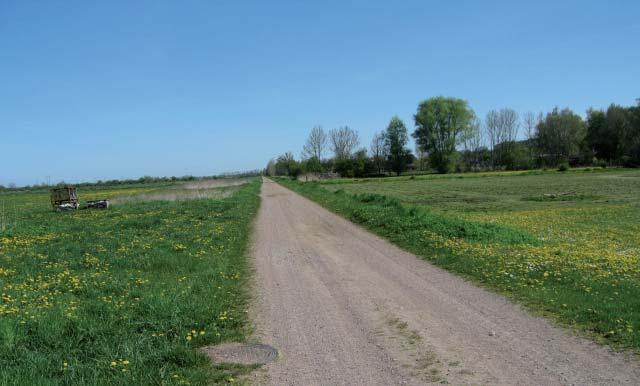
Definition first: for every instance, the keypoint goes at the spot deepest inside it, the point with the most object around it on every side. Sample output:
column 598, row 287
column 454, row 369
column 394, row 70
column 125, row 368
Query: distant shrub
column 563, row 167
column 628, row 162
column 371, row 197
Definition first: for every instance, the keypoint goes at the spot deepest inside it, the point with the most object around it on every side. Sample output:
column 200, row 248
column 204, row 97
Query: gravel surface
column 344, row 307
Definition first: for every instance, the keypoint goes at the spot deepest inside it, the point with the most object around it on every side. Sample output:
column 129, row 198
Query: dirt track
column 345, row 307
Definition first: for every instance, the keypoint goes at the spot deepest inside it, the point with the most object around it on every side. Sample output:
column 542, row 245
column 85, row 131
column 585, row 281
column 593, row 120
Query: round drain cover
column 243, row 353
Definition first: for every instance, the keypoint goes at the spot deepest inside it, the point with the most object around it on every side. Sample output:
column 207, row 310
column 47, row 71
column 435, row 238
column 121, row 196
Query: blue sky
column 119, row 89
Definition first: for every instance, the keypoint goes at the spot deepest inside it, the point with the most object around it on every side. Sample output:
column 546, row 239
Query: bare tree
column 316, row 143
column 379, row 150
column 472, row 142
column 492, row 127
column 509, row 124
column 530, row 123
column 502, row 129
column 472, row 139
column 343, row 142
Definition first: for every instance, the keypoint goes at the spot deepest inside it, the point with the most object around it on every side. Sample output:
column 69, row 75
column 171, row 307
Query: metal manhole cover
column 243, row 353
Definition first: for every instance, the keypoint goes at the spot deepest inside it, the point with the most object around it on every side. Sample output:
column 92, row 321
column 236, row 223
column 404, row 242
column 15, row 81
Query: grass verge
column 124, row 296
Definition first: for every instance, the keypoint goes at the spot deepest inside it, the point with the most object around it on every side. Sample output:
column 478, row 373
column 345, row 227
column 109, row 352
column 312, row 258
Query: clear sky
column 118, row 89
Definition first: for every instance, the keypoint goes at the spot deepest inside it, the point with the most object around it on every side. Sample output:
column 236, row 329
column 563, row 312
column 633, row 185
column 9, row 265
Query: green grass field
column 123, row 296
column 565, row 244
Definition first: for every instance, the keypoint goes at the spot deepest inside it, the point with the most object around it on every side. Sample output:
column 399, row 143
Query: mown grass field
column 122, row 296
column 565, row 244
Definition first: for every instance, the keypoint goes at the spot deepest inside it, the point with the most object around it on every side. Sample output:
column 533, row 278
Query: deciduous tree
column 396, row 139
column 559, row 135
column 472, row 142
column 378, row 151
column 440, row 122
column 286, row 165
column 502, row 127
column 343, row 142
column 316, row 143
column 530, row 121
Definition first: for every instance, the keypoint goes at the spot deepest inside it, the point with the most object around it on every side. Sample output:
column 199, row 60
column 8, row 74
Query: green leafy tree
column 633, row 142
column 559, row 136
column 344, row 167
column 614, row 134
column 271, row 168
column 396, row 139
column 361, row 163
column 358, row 165
column 441, row 124
column 599, row 140
column 514, row 155
column 312, row 165
column 286, row 165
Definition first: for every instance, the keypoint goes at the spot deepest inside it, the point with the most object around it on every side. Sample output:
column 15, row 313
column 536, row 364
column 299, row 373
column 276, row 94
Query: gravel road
column 345, row 307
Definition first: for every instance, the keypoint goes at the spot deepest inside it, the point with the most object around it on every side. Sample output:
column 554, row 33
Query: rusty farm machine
column 66, row 198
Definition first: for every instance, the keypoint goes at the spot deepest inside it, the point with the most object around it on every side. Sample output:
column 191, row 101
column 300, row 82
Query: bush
column 295, row 170
column 627, row 162
column 563, row 167
column 599, row 162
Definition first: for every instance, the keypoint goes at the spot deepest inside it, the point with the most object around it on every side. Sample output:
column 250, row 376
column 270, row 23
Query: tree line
column 131, row 181
column 449, row 137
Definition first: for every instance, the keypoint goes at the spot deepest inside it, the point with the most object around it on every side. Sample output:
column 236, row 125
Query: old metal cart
column 64, row 198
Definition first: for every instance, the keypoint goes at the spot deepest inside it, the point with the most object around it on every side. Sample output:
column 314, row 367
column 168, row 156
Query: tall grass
column 8, row 218
column 124, row 296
